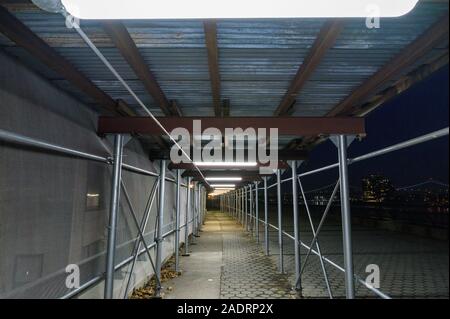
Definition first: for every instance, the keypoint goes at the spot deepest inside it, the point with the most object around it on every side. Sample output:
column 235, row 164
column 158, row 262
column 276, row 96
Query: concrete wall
column 54, row 208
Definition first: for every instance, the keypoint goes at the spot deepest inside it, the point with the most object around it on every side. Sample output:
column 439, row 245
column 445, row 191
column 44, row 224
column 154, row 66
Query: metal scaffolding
column 342, row 184
column 237, row 208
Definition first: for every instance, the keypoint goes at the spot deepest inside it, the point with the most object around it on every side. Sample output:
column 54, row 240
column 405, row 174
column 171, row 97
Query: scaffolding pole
column 346, row 217
column 242, row 207
column 177, row 222
column 280, row 222
column 246, row 208
column 114, row 211
column 200, row 213
column 251, row 208
column 160, row 219
column 266, row 218
column 188, row 209
column 298, row 263
column 256, row 212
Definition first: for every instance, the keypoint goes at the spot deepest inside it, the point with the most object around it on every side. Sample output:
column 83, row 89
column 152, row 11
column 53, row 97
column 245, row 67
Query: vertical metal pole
column 256, row 212
column 236, row 199
column 159, row 237
column 266, row 218
column 188, row 209
column 177, row 223
column 194, row 214
column 251, row 208
column 202, row 208
column 114, row 211
column 242, row 207
column 194, row 211
column 199, row 200
column 246, row 209
column 280, row 221
column 241, row 220
column 346, row 218
column 298, row 281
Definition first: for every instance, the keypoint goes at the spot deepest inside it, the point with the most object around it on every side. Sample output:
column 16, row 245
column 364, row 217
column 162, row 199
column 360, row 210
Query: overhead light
column 223, row 179
column 227, row 164
column 207, row 9
column 223, row 186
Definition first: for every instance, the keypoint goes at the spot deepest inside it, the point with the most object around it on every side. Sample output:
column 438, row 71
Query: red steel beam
column 295, row 126
column 190, row 166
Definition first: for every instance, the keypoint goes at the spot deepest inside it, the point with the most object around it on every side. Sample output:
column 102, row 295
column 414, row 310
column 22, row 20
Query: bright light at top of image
column 207, row 9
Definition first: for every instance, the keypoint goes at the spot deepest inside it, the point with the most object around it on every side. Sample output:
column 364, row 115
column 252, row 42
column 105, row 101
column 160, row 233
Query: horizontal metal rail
column 85, row 261
column 99, row 278
column 325, row 259
column 19, row 139
column 396, row 147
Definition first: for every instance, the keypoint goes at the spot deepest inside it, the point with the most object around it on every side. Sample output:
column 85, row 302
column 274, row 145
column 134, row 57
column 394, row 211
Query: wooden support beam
column 295, row 126
column 325, row 40
column 20, row 34
column 407, row 57
column 210, row 29
column 127, row 47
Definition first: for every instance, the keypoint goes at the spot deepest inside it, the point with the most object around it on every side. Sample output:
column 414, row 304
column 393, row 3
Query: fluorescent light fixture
column 207, row 9
column 223, row 186
column 223, row 179
column 227, row 164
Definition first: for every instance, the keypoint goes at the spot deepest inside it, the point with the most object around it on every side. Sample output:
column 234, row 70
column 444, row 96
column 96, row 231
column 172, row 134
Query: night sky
column 420, row 110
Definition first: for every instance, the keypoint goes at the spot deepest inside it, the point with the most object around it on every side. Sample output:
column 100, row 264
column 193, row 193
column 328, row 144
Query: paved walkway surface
column 410, row 266
column 227, row 263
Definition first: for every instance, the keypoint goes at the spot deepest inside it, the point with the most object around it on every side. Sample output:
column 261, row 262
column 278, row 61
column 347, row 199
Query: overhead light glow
column 209, row 9
column 223, row 179
column 223, row 186
column 227, row 164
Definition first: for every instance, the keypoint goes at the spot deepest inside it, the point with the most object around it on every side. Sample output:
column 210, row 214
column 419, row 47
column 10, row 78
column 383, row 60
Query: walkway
column 227, row 263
